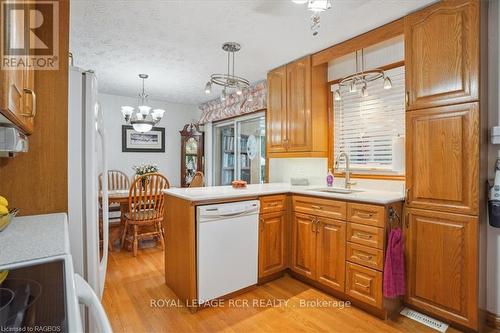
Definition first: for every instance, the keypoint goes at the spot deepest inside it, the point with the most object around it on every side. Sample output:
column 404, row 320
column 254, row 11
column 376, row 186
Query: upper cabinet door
column 442, row 158
column 442, row 54
column 299, row 136
column 441, row 250
column 17, row 85
column 330, row 256
column 276, row 110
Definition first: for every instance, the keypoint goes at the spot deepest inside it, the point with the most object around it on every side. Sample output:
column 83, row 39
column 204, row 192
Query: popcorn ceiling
column 178, row 43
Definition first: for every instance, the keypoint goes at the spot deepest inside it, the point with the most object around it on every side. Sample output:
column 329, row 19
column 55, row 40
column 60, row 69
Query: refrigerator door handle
column 87, row 297
column 104, row 197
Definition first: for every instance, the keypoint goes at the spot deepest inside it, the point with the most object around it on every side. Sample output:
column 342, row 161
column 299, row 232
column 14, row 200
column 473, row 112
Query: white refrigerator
column 86, row 160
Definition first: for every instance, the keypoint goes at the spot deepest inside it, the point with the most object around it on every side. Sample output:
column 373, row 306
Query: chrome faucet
column 347, row 171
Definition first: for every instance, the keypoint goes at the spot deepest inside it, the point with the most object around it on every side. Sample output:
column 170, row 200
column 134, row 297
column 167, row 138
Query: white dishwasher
column 227, row 248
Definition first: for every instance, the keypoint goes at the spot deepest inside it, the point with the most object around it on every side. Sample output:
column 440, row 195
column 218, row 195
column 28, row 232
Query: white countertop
column 228, row 192
column 34, row 237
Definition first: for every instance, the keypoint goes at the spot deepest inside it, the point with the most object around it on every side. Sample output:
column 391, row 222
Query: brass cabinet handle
column 365, row 215
column 407, row 98
column 407, row 196
column 262, row 224
column 364, row 286
column 272, row 204
column 363, row 236
column 33, row 99
column 313, row 223
column 364, row 257
column 317, row 226
column 316, row 207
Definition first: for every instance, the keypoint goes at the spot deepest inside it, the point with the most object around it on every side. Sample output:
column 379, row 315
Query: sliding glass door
column 239, row 150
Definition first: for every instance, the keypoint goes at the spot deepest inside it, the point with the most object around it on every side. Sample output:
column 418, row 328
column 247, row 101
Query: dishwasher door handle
column 236, row 213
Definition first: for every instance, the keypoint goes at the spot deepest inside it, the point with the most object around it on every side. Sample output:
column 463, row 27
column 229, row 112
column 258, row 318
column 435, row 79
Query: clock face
column 191, row 146
column 251, row 147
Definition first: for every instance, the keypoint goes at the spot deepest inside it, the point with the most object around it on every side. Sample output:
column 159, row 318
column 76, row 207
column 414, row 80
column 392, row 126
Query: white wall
column 281, row 170
column 493, row 234
column 176, row 116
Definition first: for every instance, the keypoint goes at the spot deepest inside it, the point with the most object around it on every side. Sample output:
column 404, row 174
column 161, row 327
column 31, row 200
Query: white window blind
column 370, row 129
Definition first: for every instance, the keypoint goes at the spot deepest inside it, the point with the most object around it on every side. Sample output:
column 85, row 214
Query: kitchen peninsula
column 333, row 241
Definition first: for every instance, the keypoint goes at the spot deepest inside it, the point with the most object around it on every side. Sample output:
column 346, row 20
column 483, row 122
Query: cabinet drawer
column 272, row 203
column 320, row 207
column 365, row 235
column 366, row 256
column 364, row 284
column 366, row 214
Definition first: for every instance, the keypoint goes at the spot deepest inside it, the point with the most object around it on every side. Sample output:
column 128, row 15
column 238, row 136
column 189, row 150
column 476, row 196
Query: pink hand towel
column 394, row 269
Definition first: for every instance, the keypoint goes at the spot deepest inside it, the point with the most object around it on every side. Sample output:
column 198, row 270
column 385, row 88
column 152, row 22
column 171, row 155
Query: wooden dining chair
column 198, row 180
column 145, row 216
column 117, row 180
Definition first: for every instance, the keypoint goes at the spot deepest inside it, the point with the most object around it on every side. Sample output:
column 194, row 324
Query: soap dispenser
column 329, row 178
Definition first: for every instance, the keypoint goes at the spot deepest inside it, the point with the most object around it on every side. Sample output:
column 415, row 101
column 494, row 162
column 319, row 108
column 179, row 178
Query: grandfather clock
column 191, row 153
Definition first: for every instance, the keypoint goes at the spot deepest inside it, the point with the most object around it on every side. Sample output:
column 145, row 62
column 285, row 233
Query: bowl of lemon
column 6, row 215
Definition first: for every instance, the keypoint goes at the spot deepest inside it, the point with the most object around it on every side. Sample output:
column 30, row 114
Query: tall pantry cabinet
column 442, row 160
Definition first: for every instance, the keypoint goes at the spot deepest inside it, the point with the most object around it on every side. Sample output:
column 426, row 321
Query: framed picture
column 149, row 142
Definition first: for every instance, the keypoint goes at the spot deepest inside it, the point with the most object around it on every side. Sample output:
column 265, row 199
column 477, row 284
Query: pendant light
column 145, row 117
column 362, row 78
column 228, row 81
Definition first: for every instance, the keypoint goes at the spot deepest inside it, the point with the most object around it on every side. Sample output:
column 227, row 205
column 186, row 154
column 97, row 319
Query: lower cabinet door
column 272, row 243
column 441, row 254
column 304, row 245
column 330, row 255
column 364, row 284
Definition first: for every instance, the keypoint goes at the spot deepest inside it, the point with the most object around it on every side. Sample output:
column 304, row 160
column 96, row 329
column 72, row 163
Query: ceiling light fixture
column 317, row 7
column 361, row 78
column 144, row 118
column 228, row 81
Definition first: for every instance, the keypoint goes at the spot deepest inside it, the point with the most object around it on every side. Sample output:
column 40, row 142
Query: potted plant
column 144, row 169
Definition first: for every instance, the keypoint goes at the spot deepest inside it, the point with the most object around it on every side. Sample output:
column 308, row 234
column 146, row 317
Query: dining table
column 120, row 197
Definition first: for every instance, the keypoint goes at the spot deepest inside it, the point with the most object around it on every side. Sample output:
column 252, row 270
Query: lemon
column 3, row 201
column 3, row 210
column 3, row 276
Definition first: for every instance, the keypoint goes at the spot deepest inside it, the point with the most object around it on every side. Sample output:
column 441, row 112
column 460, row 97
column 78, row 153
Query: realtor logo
column 29, row 34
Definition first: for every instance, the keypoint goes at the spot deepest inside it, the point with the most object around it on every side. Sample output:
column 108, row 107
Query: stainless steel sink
column 335, row 190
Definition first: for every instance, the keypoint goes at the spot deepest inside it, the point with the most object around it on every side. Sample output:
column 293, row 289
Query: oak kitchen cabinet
column 442, row 264
column 443, row 160
column 297, row 108
column 318, row 242
column 272, row 235
column 17, row 92
column 276, row 110
column 442, row 54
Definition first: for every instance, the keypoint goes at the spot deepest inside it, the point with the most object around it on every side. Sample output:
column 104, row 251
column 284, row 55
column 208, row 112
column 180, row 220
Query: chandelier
column 228, row 81
column 144, row 118
column 360, row 79
column 315, row 6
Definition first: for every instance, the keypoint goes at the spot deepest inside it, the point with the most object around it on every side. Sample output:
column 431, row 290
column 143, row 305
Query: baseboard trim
column 492, row 320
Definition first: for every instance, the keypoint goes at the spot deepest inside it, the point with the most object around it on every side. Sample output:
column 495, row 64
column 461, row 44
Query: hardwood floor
column 134, row 284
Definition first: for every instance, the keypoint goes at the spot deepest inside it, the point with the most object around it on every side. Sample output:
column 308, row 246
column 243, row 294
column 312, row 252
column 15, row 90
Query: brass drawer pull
column 363, row 236
column 272, row 204
column 363, row 286
column 365, row 215
column 316, row 207
column 364, row 257
column 262, row 224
